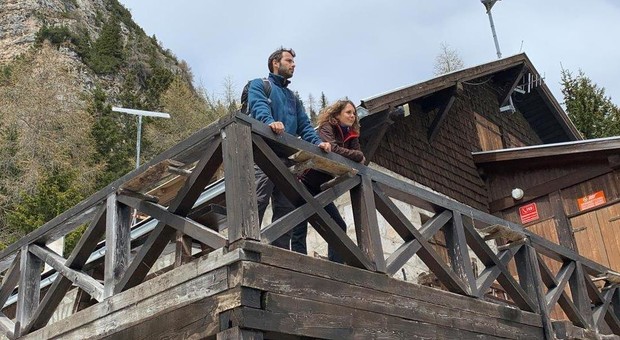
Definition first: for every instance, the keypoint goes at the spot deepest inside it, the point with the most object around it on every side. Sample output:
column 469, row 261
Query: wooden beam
column 281, row 226
column 80, row 254
column 427, row 253
column 489, row 274
column 9, row 281
column 185, row 225
column 7, row 326
column 366, row 223
column 297, row 194
column 442, row 113
column 29, row 289
column 186, row 151
column 579, row 294
column 458, row 252
column 530, row 263
column 601, row 303
column 569, row 308
column 87, row 283
column 408, row 249
column 181, row 205
column 241, row 206
column 503, row 97
column 505, row 279
column 561, row 280
column 118, row 243
column 237, row 333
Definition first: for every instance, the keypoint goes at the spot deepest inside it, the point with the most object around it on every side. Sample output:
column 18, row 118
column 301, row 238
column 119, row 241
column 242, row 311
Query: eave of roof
column 574, row 150
column 405, row 94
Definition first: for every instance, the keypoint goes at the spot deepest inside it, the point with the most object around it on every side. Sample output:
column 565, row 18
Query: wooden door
column 589, row 238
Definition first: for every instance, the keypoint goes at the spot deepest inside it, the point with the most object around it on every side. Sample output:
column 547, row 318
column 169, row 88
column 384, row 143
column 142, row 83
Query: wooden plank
column 237, row 333
column 366, row 223
column 314, row 319
column 579, row 294
column 242, row 213
column 491, row 272
column 561, row 280
column 531, row 263
column 281, row 226
column 192, row 147
column 7, row 326
column 297, row 194
column 487, row 256
column 10, row 280
column 406, row 251
column 87, row 283
column 179, row 287
column 118, row 244
column 301, row 287
column 181, row 205
column 442, row 113
column 183, row 250
column 185, row 225
column 563, row 300
column 427, row 253
column 150, row 176
column 29, row 289
column 357, row 277
column 458, row 252
column 80, row 254
column 323, row 164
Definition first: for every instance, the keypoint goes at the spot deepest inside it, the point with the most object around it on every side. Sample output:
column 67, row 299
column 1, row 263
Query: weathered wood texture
column 327, row 300
column 168, row 302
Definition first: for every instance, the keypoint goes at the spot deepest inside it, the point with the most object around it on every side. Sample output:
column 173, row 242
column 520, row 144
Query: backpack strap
column 267, row 88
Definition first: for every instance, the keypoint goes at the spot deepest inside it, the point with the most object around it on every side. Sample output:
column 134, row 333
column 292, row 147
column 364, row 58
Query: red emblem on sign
column 528, row 213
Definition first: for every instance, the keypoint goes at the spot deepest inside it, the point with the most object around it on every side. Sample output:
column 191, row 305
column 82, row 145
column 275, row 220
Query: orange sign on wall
column 528, row 213
column 591, row 201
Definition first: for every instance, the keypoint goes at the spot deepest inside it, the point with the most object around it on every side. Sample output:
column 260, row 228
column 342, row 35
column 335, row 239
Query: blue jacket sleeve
column 304, row 127
column 258, row 102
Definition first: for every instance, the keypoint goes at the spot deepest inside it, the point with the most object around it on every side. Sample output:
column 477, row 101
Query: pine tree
column 592, row 112
column 324, row 102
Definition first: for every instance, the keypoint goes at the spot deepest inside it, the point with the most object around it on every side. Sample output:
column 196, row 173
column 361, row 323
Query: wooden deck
column 238, row 287
column 285, row 295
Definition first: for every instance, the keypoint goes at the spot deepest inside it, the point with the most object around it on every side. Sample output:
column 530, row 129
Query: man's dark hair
column 277, row 56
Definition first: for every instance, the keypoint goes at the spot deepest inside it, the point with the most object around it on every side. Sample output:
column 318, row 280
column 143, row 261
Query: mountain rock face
column 63, row 64
column 20, row 20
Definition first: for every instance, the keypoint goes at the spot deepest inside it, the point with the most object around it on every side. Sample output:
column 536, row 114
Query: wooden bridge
column 239, row 287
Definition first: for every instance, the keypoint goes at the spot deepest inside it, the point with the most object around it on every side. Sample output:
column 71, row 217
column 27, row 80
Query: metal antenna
column 488, row 4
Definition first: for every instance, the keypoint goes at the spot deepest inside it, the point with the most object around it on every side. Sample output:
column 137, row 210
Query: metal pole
column 138, row 141
column 499, row 54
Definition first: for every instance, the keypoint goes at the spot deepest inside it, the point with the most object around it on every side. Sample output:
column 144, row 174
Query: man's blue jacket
column 281, row 106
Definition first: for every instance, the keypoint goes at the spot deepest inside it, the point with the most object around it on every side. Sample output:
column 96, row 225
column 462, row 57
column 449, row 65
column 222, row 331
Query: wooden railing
column 236, row 142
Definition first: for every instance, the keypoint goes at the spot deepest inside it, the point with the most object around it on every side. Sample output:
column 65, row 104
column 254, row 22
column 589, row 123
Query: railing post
column 580, row 295
column 459, row 253
column 117, row 242
column 531, row 281
column 241, row 206
column 366, row 223
column 29, row 289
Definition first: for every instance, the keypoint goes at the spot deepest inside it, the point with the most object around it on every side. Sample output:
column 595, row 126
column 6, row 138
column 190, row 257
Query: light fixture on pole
column 488, row 4
column 140, row 113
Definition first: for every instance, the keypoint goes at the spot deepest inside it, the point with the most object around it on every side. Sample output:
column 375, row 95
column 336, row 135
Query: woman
column 339, row 126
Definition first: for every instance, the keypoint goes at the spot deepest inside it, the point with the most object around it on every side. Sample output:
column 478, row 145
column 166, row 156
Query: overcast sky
column 361, row 48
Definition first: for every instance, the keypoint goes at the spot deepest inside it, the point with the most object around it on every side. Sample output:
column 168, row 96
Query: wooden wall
column 445, row 163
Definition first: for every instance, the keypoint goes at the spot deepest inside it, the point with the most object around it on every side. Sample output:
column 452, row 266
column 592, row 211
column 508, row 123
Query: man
column 283, row 112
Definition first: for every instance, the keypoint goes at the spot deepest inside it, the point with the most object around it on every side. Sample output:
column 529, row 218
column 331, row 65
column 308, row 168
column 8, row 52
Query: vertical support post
column 241, row 206
column 29, row 291
column 366, row 223
column 459, row 253
column 580, row 295
column 564, row 229
column 183, row 251
column 237, row 333
column 537, row 287
column 117, row 244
